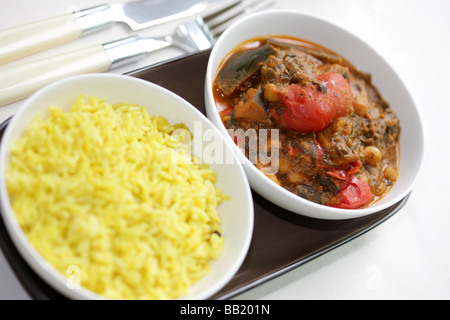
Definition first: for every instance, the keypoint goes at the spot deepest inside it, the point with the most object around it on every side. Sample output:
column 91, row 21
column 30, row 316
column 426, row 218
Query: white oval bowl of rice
column 104, row 199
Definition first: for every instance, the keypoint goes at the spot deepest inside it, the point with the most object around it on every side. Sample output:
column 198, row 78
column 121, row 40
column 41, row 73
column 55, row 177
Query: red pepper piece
column 226, row 112
column 353, row 167
column 355, row 194
column 338, row 173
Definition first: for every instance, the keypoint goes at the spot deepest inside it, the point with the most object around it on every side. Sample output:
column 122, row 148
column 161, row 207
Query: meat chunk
column 292, row 66
column 251, row 107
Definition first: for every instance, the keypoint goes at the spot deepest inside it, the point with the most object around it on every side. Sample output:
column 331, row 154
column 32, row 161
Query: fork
column 19, row 81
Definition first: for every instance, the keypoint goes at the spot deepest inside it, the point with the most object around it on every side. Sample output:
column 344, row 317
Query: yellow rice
column 96, row 189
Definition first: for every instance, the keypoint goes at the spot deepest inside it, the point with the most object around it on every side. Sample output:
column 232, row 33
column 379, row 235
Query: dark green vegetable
column 241, row 66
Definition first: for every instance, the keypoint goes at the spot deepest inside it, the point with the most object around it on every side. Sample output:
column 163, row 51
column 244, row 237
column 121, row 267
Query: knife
column 21, row 41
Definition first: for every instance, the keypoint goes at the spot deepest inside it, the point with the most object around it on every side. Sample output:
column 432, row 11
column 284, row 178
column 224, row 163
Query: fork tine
column 230, row 12
column 219, row 6
column 224, row 19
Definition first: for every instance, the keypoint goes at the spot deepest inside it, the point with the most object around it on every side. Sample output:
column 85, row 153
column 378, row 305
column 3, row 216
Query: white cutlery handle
column 19, row 81
column 24, row 40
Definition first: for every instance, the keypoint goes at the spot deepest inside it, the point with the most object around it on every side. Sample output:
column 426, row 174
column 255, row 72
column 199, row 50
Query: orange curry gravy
column 338, row 141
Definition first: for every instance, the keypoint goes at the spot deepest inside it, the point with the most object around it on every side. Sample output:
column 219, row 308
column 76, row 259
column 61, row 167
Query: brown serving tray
column 281, row 241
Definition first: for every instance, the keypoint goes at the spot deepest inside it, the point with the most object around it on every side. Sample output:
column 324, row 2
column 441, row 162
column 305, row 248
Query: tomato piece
column 354, row 195
column 313, row 108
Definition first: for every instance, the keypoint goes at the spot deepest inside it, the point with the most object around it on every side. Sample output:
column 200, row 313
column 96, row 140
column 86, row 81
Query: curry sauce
column 338, row 141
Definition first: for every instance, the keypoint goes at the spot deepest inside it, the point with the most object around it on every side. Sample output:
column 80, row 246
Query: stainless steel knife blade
column 146, row 13
column 24, row 40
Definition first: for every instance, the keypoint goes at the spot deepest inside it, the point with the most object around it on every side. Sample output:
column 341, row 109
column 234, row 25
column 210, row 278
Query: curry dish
column 338, row 139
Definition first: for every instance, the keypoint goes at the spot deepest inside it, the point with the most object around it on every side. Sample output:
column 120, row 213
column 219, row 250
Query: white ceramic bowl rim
column 234, row 251
column 276, row 22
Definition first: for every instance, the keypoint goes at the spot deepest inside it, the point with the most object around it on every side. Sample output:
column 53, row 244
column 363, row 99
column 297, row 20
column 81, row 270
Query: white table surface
column 406, row 257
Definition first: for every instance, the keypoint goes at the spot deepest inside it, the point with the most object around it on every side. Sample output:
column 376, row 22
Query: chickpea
column 361, row 107
column 271, row 92
column 343, row 126
column 390, row 173
column 372, row 155
column 295, row 177
column 379, row 189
